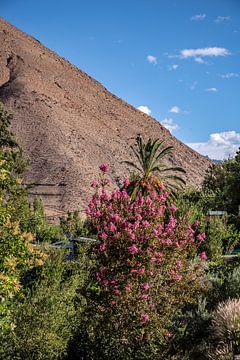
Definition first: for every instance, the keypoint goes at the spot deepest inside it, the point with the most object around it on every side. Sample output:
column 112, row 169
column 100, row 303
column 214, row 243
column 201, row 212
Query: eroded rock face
column 68, row 123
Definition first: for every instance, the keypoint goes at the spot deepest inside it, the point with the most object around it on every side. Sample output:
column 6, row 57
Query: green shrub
column 146, row 270
column 45, row 310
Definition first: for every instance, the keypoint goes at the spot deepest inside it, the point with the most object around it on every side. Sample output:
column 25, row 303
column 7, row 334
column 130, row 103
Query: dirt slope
column 68, row 123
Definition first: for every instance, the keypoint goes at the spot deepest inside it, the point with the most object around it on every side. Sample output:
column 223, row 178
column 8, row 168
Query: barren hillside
column 68, row 123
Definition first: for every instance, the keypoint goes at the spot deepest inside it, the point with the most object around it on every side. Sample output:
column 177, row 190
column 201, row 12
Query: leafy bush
column 146, row 271
column 45, row 311
column 74, row 224
column 17, row 254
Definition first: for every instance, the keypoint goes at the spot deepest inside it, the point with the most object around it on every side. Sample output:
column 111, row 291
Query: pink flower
column 190, row 231
column 126, row 183
column 141, row 271
column 133, row 249
column 103, row 235
column 113, row 302
column 145, row 223
column 128, row 288
column 133, row 236
column 201, row 237
column 98, row 276
column 124, row 195
column 145, row 286
column 168, row 242
column 104, row 196
column 145, row 317
column 136, row 225
column 94, row 184
column 148, row 201
column 98, row 214
column 161, row 186
column 169, row 334
column 160, row 210
column 112, row 227
column 179, row 263
column 173, row 208
column 91, row 204
column 203, row 255
column 178, row 277
column 145, row 296
column 102, row 247
column 115, row 217
column 129, row 231
column 104, row 168
column 134, row 271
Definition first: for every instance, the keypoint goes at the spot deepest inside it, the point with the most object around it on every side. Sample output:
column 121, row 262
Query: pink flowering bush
column 147, row 265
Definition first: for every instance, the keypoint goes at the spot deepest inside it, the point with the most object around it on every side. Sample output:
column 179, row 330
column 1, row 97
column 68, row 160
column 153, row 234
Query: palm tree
column 152, row 173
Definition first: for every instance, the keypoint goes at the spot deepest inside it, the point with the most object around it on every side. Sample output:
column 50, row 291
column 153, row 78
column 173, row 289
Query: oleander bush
column 147, row 269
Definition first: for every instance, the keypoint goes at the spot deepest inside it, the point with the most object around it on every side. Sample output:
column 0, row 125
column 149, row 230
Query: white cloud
column 173, row 67
column 199, row 17
column 199, row 60
column 152, row 59
column 221, row 19
column 175, row 109
column 229, row 75
column 144, row 109
column 202, row 52
column 219, row 145
column 169, row 124
column 212, row 89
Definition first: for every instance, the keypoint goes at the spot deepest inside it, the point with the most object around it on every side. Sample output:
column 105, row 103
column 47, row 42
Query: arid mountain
column 68, row 123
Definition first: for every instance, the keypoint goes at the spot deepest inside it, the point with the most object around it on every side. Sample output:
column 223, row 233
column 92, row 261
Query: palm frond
column 130, row 163
column 175, row 178
column 164, row 152
column 176, row 168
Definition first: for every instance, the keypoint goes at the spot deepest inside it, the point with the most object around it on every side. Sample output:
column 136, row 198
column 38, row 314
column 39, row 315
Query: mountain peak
column 68, row 123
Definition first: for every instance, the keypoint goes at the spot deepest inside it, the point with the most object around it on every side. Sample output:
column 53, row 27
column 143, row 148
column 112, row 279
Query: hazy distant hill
column 68, row 123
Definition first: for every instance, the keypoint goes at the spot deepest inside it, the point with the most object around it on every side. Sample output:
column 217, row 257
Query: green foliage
column 45, row 310
column 7, row 139
column 146, row 271
column 152, row 172
column 54, row 309
column 216, row 232
column 222, row 236
column 17, row 254
column 223, row 180
column 74, row 224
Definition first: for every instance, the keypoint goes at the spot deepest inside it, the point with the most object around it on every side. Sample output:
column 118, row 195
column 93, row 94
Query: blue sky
column 178, row 60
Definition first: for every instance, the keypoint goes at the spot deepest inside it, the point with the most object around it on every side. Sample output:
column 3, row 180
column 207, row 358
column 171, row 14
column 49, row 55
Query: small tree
column 145, row 272
column 152, row 171
column 17, row 253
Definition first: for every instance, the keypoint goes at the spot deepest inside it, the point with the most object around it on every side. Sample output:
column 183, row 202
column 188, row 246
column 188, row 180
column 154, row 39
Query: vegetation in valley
column 158, row 282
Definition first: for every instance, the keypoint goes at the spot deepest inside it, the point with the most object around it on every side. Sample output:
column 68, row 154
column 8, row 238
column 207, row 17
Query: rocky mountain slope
column 68, row 123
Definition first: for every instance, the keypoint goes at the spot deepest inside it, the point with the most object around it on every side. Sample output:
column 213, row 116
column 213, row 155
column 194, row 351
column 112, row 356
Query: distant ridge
column 68, row 123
